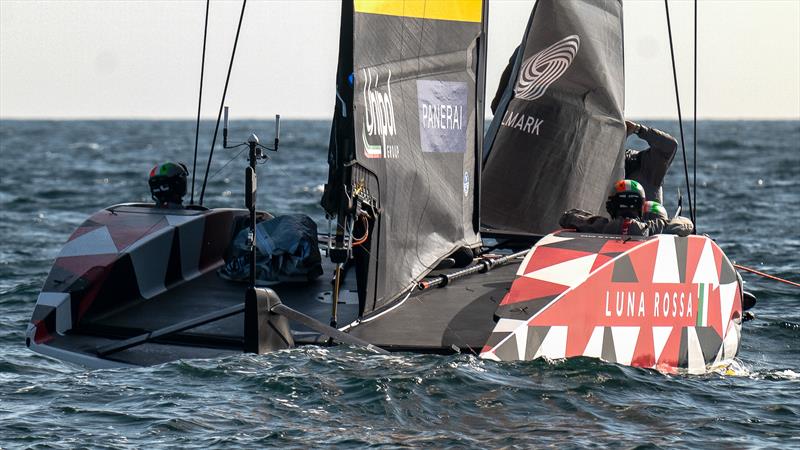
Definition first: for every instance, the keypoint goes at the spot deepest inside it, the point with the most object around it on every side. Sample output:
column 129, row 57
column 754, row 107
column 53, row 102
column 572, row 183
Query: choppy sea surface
column 55, row 173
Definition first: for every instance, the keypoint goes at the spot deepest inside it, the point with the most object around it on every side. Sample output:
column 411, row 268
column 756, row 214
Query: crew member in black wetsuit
column 656, row 215
column 654, row 210
column 649, row 167
column 168, row 184
column 625, row 206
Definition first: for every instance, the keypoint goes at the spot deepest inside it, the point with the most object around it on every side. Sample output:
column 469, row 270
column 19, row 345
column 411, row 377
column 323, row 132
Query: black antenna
column 199, row 100
column 250, row 190
column 222, row 102
column 680, row 118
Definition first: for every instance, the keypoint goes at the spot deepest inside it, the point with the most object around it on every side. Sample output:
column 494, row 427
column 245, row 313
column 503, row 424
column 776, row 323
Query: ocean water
column 55, row 173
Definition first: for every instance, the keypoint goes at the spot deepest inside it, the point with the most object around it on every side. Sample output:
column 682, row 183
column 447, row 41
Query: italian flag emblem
column 702, row 305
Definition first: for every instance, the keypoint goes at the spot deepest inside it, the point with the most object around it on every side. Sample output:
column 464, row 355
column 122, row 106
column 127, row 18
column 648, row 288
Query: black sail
column 556, row 139
column 408, row 133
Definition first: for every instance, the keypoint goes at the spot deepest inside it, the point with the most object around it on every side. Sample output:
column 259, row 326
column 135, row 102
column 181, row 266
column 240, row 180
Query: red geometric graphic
column 622, row 301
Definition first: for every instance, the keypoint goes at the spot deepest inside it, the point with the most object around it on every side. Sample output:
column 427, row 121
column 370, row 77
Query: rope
column 226, row 164
column 694, row 121
column 680, row 119
column 222, row 102
column 361, row 240
column 199, row 100
column 765, row 275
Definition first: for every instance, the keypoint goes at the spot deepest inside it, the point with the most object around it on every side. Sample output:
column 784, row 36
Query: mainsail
column 556, row 139
column 407, row 134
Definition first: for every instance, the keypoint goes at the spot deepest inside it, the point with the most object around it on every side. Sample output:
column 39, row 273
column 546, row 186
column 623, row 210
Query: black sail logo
column 542, row 69
column 379, row 124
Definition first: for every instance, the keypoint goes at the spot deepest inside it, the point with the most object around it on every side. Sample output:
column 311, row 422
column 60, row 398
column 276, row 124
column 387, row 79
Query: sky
column 141, row 59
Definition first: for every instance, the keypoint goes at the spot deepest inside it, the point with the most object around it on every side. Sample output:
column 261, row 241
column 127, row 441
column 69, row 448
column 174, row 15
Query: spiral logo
column 542, row 69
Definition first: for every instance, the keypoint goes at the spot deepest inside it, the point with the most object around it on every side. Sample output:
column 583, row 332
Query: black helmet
column 627, row 199
column 168, row 182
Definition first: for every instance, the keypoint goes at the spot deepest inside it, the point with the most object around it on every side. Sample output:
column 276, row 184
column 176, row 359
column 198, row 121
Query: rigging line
column 680, row 119
column 359, row 320
column 765, row 275
column 199, row 100
column 694, row 123
column 226, row 164
column 222, row 102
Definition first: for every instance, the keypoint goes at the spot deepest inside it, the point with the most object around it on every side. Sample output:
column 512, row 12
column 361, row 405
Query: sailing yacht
column 446, row 239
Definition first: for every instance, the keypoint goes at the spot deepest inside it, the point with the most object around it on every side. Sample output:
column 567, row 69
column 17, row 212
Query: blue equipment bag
column 287, row 250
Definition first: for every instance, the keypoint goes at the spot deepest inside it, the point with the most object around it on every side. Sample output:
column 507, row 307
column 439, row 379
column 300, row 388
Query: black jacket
column 649, row 167
column 587, row 222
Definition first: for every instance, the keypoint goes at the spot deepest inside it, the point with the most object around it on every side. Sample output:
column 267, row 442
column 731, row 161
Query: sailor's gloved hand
column 632, row 127
column 576, row 219
column 679, row 225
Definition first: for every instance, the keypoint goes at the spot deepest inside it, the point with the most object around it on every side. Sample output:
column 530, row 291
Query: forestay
column 556, row 139
column 407, row 132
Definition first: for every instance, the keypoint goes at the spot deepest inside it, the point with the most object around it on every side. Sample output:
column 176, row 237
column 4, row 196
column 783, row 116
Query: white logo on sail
column 442, row 124
column 542, row 69
column 378, row 117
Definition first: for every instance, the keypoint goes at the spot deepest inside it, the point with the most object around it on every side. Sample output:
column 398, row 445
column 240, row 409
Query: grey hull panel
column 455, row 317
column 460, row 315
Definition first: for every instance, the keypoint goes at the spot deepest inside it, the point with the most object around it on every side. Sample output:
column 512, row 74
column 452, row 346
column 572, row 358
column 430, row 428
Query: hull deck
column 139, row 286
column 458, row 317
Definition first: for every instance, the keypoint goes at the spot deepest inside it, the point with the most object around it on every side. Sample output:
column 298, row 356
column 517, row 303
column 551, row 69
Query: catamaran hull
column 665, row 302
column 133, row 272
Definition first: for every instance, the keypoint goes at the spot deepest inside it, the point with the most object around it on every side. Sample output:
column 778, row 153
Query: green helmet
column 654, row 210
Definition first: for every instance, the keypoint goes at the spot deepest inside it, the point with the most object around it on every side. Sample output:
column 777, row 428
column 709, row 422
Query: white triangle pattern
column 568, row 273
column 552, row 239
column 524, row 266
column 549, row 239
column 489, row 355
column 731, row 341
column 594, row 348
column 506, row 325
column 522, row 341
column 720, row 356
column 625, row 343
column 554, row 345
column 706, row 268
column 666, row 267
column 727, row 293
column 95, row 242
column 697, row 364
column 660, row 338
column 517, row 328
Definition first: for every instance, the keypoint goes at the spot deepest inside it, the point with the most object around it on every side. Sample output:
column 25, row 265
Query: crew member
column 625, row 206
column 656, row 215
column 649, row 167
column 654, row 210
column 168, row 184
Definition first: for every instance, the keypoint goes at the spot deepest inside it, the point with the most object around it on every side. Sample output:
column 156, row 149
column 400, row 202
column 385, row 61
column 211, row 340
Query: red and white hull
column 665, row 302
